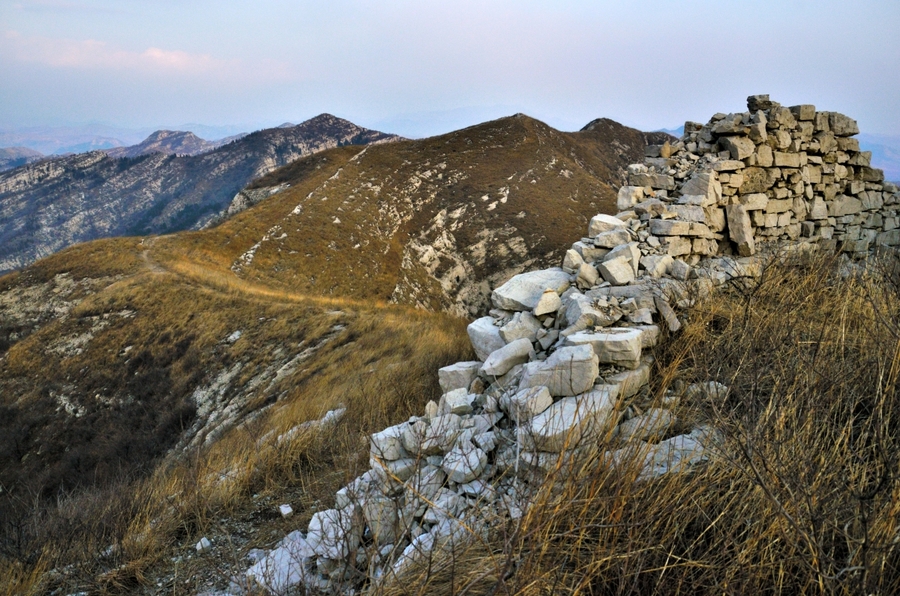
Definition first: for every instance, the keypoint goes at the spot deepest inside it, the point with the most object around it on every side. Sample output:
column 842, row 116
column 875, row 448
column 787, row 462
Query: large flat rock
column 524, row 291
column 572, row 420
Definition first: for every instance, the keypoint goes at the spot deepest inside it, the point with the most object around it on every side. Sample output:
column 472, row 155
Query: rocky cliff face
column 47, row 206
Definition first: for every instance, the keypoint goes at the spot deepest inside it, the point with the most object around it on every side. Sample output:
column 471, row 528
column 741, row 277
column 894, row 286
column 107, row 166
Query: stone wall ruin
column 565, row 356
column 770, row 174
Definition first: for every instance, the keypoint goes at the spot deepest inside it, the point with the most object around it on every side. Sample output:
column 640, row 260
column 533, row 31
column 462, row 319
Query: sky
column 423, row 67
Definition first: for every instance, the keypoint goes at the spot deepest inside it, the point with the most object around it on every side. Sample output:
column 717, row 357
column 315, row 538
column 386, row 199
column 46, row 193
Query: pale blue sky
column 423, row 67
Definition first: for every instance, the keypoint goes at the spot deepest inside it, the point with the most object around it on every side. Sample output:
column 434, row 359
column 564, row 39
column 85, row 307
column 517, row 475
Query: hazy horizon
column 426, row 68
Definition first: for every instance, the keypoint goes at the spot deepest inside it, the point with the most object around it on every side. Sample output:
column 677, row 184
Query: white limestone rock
column 380, row 513
column 333, row 533
column 628, row 196
column 572, row 261
column 653, row 424
column 522, row 325
column 459, row 375
column 523, row 291
column 572, row 420
column 613, row 345
column 568, row 371
column 548, row 303
column 485, row 337
column 527, row 403
column 657, row 265
column 387, row 444
column 464, row 463
column 458, row 401
column 604, row 223
column 501, row 361
column 618, row 272
column 630, row 382
column 286, row 566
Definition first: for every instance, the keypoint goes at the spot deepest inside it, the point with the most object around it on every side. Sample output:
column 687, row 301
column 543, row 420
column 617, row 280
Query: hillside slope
column 432, row 223
column 55, row 203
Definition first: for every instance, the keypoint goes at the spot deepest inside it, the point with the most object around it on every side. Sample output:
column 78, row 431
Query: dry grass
column 804, row 496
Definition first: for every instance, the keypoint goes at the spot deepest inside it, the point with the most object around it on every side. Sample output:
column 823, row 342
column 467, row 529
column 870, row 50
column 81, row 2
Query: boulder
column 628, row 196
column 568, row 371
column 572, row 261
column 380, row 513
column 485, row 337
column 630, row 382
column 522, row 325
column 527, row 403
column 740, row 229
column 501, row 361
column 587, row 276
column 617, row 271
column 459, row 375
column 739, row 147
column 572, row 420
column 653, row 424
column 613, row 345
column 458, row 401
column 629, row 251
column 523, row 291
column 333, row 533
column 657, row 265
column 580, row 311
column 387, row 444
column 604, row 223
column 285, row 566
column 704, row 184
column 464, row 463
column 548, row 303
column 612, row 238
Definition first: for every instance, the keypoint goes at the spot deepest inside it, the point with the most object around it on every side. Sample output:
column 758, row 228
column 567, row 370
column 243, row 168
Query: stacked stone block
column 772, row 174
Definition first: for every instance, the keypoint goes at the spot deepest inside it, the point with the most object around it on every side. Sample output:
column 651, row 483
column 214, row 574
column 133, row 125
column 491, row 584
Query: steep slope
column 52, row 204
column 171, row 142
column 433, row 223
column 14, row 157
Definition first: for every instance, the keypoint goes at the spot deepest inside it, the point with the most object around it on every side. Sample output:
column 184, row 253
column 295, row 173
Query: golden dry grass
column 804, row 495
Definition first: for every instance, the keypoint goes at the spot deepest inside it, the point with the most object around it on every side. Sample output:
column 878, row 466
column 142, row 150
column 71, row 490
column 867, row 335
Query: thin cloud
column 91, row 54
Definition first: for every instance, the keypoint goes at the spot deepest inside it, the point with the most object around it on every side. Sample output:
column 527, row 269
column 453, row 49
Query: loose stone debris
column 566, row 351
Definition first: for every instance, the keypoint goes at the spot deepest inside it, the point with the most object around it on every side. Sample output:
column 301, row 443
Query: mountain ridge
column 59, row 201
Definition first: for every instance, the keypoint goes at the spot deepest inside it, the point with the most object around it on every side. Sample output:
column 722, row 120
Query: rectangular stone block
column 754, row 201
column 844, row 205
column 740, row 230
column 655, row 181
column 787, row 160
column 779, row 205
column 804, row 112
column 669, row 227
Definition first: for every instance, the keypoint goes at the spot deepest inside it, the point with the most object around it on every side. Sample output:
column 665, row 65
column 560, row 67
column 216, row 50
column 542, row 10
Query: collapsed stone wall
column 565, row 356
column 769, row 174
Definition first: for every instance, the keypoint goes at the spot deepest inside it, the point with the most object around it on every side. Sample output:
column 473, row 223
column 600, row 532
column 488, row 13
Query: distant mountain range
column 59, row 140
column 56, row 202
column 14, row 157
column 173, row 142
